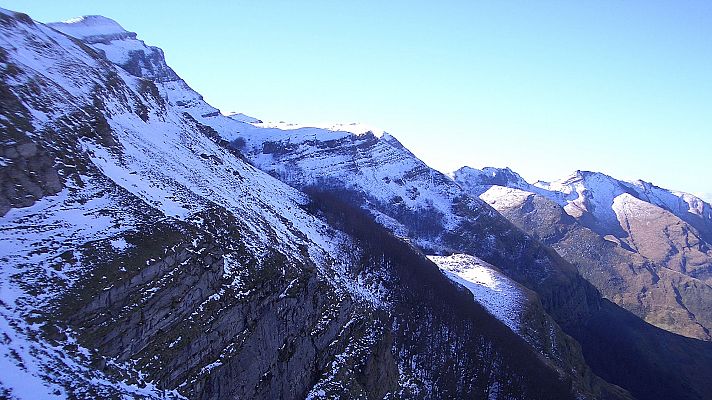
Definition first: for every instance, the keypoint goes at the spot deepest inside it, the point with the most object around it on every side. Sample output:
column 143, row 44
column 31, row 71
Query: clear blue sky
column 544, row 87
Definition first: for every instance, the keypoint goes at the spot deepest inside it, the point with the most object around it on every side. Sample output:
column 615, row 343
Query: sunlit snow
column 499, row 295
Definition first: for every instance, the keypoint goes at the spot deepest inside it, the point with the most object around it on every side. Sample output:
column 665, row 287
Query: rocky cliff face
column 143, row 257
column 208, row 317
column 27, row 173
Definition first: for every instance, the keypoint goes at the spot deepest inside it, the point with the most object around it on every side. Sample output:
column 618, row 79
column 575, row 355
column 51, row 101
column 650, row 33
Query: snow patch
column 499, row 295
column 119, row 244
column 503, row 198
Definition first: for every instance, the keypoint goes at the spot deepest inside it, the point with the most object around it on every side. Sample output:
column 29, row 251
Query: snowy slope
column 240, row 117
column 684, row 205
column 669, row 227
column 379, row 169
column 659, row 235
column 391, row 172
column 140, row 60
column 589, row 194
column 162, row 161
column 92, row 28
column 503, row 198
column 144, row 160
column 501, row 296
column 181, row 172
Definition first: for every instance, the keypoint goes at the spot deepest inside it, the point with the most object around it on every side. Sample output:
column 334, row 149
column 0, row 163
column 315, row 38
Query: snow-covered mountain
column 653, row 254
column 593, row 196
column 155, row 248
column 140, row 238
column 143, row 257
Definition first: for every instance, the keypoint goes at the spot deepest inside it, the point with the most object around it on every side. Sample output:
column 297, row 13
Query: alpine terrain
column 153, row 247
column 644, row 247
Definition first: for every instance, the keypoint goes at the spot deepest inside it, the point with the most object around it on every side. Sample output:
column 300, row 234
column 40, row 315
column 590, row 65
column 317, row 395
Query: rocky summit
column 153, row 247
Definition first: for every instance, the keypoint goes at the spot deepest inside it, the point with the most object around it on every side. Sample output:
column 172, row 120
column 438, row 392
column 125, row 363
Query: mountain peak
column 588, row 180
column 91, row 28
column 502, row 171
column 491, row 176
column 584, row 174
